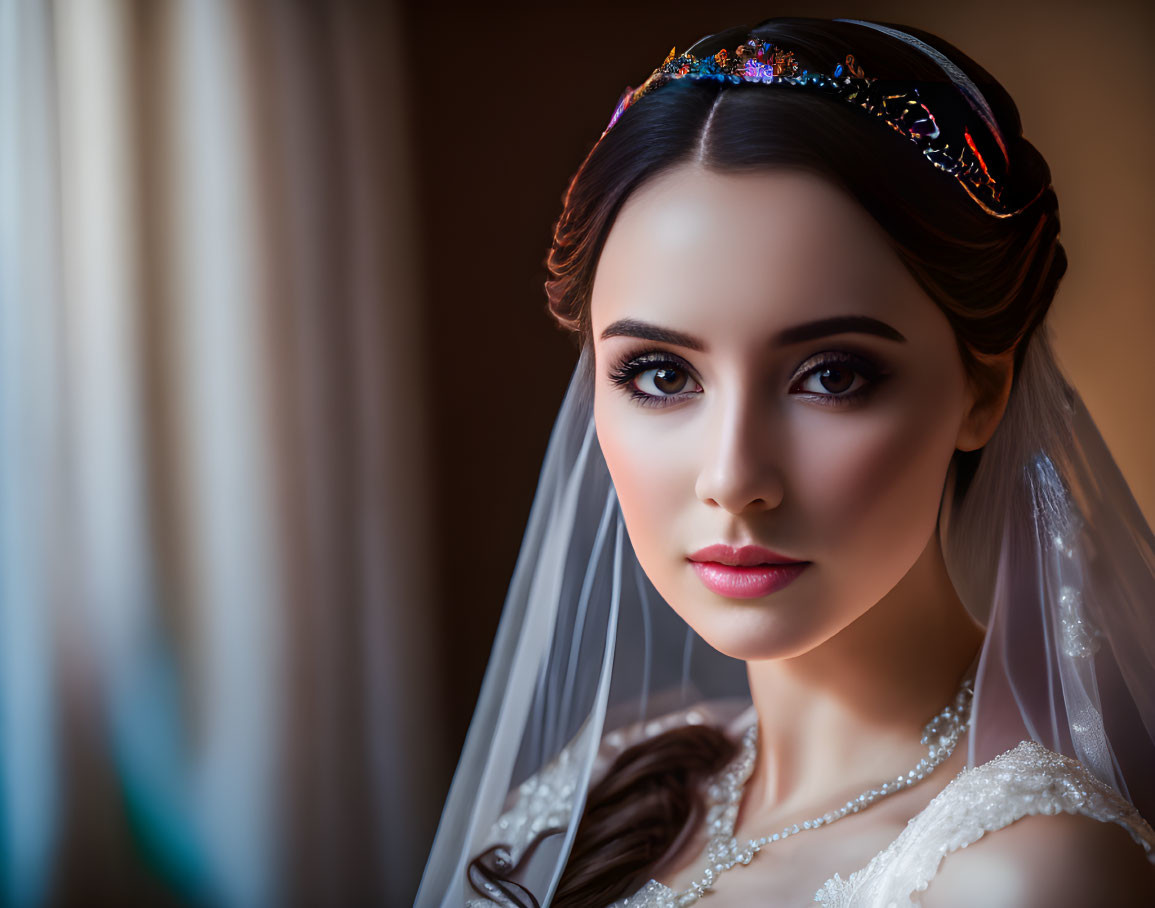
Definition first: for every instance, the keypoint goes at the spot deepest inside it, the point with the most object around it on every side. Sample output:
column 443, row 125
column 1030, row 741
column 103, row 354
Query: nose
column 739, row 471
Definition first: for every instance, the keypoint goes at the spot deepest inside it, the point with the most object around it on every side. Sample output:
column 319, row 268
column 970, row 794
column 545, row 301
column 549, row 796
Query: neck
column 853, row 708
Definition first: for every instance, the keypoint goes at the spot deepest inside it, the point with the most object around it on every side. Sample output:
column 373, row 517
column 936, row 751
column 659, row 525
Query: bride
column 829, row 576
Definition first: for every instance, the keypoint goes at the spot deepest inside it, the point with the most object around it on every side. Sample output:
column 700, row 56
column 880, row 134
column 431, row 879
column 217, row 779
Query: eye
column 835, row 378
column 662, row 381
column 655, row 379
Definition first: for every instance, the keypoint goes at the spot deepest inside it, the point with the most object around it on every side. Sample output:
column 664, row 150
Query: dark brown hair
column 637, row 814
column 994, row 278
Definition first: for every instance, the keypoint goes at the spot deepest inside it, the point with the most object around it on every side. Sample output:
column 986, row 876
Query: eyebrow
column 839, row 324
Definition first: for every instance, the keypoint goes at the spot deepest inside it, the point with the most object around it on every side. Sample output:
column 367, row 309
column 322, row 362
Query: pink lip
column 746, row 556
column 744, row 573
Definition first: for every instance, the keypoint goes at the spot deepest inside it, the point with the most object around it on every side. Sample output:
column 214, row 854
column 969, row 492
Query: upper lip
column 746, row 556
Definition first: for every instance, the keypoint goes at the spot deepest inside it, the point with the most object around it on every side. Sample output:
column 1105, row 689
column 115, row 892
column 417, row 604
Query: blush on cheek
column 649, row 468
column 645, row 500
column 872, row 495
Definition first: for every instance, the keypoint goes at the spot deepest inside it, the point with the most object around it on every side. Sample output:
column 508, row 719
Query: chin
column 753, row 630
column 760, row 648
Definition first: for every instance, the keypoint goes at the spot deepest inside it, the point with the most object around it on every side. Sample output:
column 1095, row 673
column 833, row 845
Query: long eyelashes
column 677, row 373
column 833, row 378
column 824, row 378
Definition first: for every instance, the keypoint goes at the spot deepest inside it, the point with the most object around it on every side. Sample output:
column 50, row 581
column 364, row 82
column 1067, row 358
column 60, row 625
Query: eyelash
column 628, row 369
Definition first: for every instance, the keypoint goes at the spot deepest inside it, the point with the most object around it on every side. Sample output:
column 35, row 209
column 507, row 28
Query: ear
column 988, row 391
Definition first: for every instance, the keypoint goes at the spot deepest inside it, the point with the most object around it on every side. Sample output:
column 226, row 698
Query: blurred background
column 276, row 377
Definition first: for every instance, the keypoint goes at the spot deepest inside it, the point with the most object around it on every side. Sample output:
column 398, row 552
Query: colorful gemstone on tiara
column 949, row 145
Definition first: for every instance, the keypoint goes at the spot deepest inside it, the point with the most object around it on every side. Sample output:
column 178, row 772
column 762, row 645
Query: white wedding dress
column 1024, row 781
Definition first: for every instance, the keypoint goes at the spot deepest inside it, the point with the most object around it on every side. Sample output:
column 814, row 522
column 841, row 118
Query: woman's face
column 769, row 374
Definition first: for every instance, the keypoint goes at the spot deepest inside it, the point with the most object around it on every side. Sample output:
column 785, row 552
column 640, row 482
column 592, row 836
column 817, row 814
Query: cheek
column 870, row 489
column 652, row 468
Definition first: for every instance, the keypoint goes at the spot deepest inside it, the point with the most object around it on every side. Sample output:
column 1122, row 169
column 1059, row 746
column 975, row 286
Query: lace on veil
column 1050, row 550
column 1047, row 546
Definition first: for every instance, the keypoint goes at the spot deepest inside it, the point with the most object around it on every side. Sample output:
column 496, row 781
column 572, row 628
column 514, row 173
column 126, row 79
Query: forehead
column 747, row 254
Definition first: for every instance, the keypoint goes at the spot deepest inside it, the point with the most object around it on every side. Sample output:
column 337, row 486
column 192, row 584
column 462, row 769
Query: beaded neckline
column 723, row 850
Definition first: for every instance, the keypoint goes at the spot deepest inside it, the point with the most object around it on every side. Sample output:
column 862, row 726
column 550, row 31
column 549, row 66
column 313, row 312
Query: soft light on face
column 748, row 417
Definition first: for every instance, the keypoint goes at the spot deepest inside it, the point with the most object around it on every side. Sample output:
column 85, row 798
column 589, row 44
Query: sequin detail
column 1025, row 781
column 544, row 801
column 936, row 118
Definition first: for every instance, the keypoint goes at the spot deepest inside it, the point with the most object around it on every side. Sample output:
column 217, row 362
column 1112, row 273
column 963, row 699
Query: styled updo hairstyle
column 994, row 278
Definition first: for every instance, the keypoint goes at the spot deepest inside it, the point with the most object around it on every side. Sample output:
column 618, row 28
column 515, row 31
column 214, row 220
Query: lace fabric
column 1027, row 780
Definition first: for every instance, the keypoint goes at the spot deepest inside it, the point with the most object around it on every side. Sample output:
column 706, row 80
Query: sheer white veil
column 1049, row 549
column 585, row 645
column 1047, row 546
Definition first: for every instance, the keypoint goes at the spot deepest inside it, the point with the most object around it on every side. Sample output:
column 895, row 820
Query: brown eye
column 664, row 381
column 832, row 381
column 669, row 381
column 655, row 379
column 836, row 380
column 836, row 377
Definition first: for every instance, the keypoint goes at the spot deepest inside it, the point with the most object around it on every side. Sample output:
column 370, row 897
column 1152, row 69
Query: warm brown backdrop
column 508, row 97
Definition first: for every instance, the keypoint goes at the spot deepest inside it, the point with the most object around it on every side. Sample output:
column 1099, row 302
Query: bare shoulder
column 1047, row 860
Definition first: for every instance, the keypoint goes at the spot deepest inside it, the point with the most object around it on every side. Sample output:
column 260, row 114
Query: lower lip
column 747, row 582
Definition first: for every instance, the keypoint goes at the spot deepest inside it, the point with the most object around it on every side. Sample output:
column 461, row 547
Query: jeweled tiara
column 933, row 115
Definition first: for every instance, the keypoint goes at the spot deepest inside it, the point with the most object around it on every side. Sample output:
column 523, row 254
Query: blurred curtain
column 214, row 682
